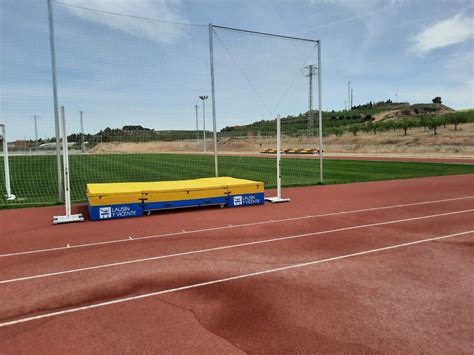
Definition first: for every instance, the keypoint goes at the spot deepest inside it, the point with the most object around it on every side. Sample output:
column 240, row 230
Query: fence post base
column 277, row 199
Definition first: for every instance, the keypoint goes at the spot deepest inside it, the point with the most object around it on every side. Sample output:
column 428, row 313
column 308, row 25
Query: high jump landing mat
column 134, row 199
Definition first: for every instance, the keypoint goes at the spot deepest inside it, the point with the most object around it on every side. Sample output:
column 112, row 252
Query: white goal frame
column 6, row 167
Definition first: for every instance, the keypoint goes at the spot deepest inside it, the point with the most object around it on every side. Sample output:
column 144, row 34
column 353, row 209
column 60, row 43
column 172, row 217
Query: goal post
column 6, row 167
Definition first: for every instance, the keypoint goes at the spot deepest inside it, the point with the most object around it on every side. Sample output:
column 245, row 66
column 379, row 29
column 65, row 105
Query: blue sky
column 122, row 70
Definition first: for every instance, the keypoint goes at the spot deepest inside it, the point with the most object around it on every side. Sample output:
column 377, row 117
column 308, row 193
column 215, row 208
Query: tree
column 338, row 131
column 424, row 122
column 456, row 119
column 406, row 124
column 373, row 126
column 437, row 100
column 367, row 128
column 434, row 123
column 354, row 129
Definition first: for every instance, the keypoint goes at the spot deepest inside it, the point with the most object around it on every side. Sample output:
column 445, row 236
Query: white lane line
column 227, row 279
column 85, row 245
column 200, row 251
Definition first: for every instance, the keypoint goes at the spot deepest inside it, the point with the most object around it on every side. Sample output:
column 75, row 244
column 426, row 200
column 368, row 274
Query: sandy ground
column 418, row 142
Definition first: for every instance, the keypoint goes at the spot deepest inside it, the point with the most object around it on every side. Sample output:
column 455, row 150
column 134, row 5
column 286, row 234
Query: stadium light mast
column 203, row 98
column 311, row 72
column 82, row 132
column 35, row 117
column 349, row 106
column 197, row 122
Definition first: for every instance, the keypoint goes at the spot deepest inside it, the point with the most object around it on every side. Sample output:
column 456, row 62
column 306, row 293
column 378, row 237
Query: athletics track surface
column 367, row 267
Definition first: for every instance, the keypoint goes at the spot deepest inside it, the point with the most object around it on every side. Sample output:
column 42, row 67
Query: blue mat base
column 99, row 213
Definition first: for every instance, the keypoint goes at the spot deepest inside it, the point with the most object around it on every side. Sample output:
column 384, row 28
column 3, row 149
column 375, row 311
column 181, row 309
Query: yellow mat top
column 122, row 188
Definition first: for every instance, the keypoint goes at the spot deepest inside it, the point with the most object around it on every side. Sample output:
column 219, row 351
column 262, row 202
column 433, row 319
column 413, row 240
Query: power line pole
column 35, row 117
column 82, row 133
column 311, row 71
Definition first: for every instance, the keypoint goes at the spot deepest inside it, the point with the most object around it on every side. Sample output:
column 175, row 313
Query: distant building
column 22, row 144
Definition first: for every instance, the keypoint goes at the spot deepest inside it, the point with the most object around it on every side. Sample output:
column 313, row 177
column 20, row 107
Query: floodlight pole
column 6, row 167
column 82, row 132
column 35, row 117
column 320, row 108
column 311, row 71
column 55, row 99
column 349, row 106
column 204, row 121
column 213, row 97
column 197, row 123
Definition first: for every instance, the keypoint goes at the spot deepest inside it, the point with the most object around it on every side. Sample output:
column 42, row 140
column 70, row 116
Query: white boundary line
column 128, row 239
column 200, row 251
column 227, row 279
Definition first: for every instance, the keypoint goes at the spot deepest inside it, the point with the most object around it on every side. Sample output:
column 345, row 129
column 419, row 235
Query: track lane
column 73, row 290
column 39, row 233
column 23, row 266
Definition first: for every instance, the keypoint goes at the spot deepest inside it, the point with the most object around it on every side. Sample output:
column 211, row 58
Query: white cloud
column 456, row 29
column 161, row 10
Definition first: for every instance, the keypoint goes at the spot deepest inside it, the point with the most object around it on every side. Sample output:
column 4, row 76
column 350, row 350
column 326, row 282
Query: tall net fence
column 138, row 102
column 259, row 76
column 26, row 109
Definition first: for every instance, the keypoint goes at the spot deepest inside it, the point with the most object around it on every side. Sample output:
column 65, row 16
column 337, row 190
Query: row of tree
column 427, row 122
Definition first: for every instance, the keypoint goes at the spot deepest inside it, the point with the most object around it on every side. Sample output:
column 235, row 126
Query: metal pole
column 310, row 100
column 321, row 147
column 349, row 106
column 197, row 123
column 204, row 124
column 278, row 157
column 264, row 33
column 36, row 127
column 6, row 166
column 82, row 133
column 55, row 98
column 213, row 97
column 278, row 198
column 67, row 192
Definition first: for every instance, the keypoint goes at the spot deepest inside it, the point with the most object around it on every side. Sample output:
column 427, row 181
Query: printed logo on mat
column 237, row 200
column 105, row 212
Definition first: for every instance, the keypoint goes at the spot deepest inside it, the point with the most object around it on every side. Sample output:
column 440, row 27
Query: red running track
column 322, row 280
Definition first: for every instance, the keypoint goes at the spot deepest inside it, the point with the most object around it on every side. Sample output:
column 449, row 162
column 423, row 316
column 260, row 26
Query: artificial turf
column 33, row 178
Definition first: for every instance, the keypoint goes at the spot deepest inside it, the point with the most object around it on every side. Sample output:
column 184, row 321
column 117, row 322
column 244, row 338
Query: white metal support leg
column 68, row 217
column 278, row 197
column 8, row 196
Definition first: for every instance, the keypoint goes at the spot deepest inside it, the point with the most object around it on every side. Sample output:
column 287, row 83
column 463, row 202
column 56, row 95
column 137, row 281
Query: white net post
column 68, row 217
column 278, row 197
column 321, row 147
column 213, row 99
column 8, row 196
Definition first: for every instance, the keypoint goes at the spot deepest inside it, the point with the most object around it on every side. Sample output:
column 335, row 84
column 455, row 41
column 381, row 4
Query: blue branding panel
column 115, row 211
column 246, row 199
column 185, row 203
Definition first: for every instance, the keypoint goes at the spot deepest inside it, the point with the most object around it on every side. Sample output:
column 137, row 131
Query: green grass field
column 34, row 183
